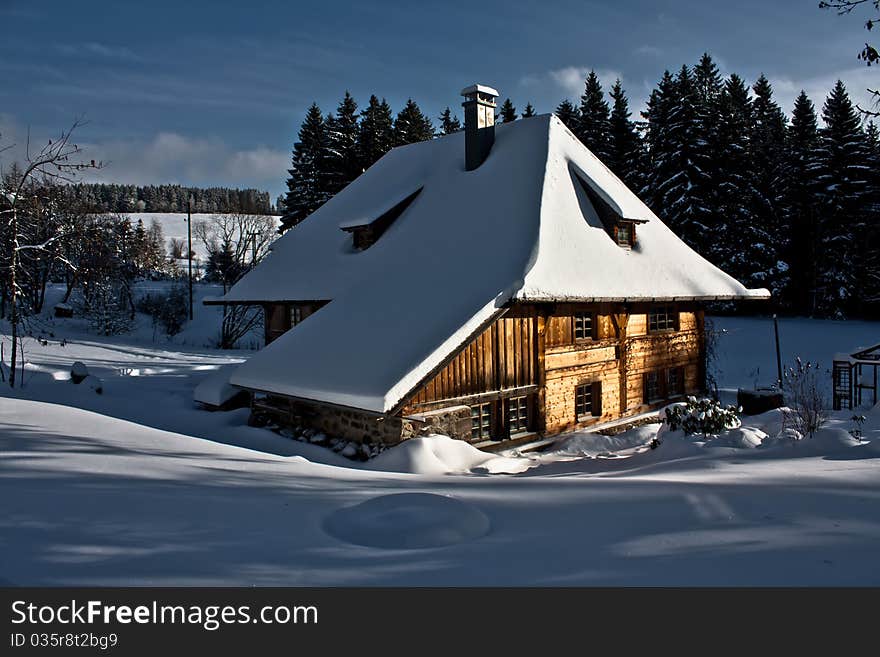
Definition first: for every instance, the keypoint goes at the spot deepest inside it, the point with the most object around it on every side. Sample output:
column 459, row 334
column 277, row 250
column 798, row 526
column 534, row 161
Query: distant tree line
column 112, row 197
column 787, row 204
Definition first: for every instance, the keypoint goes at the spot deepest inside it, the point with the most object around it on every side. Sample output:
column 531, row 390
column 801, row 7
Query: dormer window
column 625, row 234
column 621, row 229
column 365, row 234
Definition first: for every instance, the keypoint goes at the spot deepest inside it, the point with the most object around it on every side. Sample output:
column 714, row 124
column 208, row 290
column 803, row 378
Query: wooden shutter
column 597, row 398
column 594, row 326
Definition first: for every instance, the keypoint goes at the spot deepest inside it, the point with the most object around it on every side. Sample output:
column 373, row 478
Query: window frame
column 630, row 231
column 677, row 389
column 669, row 321
column 660, row 395
column 590, row 393
column 523, row 415
column 582, row 316
column 483, row 414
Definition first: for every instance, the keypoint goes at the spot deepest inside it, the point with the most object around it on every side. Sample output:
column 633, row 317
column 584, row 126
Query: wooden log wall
column 533, row 350
column 504, row 356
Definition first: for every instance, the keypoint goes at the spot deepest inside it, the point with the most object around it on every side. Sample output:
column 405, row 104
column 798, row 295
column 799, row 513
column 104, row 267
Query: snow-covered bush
column 167, row 309
column 808, row 408
column 705, row 416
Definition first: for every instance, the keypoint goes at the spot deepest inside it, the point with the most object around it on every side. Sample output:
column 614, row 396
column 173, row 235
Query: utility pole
column 778, row 355
column 189, row 252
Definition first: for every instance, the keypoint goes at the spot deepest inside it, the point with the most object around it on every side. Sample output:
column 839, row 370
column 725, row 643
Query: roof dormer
column 619, row 228
column 366, row 233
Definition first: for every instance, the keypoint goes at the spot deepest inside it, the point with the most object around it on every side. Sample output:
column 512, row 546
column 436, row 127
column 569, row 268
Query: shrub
column 705, row 416
column 105, row 306
column 807, row 413
column 167, row 309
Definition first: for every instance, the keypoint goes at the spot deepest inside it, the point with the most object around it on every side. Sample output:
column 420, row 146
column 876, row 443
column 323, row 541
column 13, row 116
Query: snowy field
column 136, row 486
column 174, row 226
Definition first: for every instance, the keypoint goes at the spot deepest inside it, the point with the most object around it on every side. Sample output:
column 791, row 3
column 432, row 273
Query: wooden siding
column 532, row 350
column 503, row 357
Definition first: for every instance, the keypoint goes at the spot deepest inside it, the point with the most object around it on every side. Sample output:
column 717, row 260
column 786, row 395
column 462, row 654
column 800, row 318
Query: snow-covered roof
column 520, row 227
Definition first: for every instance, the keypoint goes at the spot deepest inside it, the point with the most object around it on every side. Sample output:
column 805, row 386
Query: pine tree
column 308, row 185
column 624, row 152
column 449, row 123
column 593, row 125
column 507, row 111
column 567, row 113
column 742, row 247
column 843, row 187
column 708, row 151
column 411, row 125
column 869, row 276
column 375, row 133
column 342, row 131
column 767, row 154
column 528, row 112
column 801, row 205
column 677, row 178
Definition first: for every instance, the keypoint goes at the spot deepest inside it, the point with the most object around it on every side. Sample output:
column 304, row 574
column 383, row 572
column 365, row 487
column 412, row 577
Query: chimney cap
column 479, row 89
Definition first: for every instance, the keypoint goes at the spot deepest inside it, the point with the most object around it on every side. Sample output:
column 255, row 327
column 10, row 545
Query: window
column 296, row 315
column 481, row 421
column 583, row 326
column 652, row 387
column 518, row 414
column 675, row 381
column 588, row 400
column 662, row 318
column 624, row 234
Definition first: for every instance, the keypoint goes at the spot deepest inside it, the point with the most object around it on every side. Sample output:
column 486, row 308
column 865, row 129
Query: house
column 492, row 284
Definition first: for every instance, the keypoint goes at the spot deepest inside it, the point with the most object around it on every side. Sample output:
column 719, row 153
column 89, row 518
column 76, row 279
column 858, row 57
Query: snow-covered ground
column 174, row 226
column 138, row 486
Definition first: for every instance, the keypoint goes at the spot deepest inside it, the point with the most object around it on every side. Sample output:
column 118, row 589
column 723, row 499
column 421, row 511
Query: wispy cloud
column 857, row 80
column 171, row 157
column 648, row 51
column 569, row 80
column 167, row 157
column 101, row 50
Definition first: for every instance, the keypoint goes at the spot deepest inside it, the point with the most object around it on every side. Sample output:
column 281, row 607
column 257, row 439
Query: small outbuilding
column 854, row 378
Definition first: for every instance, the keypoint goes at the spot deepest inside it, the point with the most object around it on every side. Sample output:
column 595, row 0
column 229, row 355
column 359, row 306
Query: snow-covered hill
column 174, row 226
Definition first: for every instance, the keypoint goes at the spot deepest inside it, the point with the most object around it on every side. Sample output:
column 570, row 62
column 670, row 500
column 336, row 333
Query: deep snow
column 138, row 486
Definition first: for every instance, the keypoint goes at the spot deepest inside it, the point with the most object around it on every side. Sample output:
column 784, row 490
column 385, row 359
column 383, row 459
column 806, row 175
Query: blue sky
column 207, row 93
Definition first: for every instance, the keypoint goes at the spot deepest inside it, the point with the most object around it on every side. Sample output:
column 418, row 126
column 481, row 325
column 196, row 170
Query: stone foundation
column 363, row 426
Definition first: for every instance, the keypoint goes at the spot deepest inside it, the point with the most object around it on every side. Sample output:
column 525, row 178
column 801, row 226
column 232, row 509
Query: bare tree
column 868, row 54
column 177, row 248
column 235, row 244
column 54, row 163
